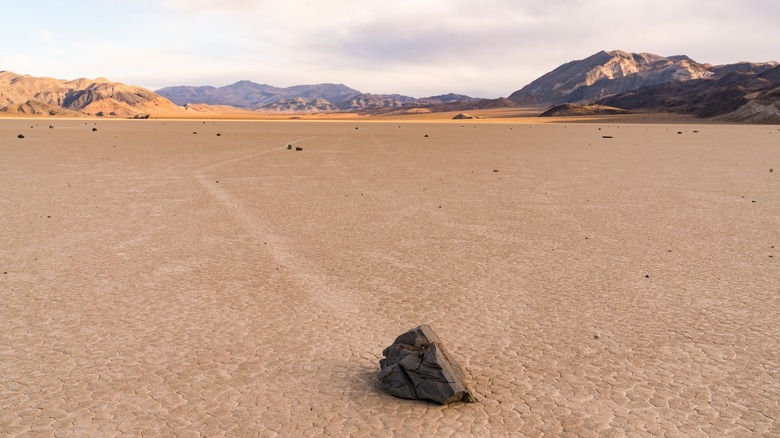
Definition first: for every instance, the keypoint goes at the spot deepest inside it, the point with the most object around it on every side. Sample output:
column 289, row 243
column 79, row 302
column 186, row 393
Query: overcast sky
column 484, row 48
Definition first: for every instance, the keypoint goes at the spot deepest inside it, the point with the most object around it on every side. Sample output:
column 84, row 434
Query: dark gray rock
column 463, row 116
column 417, row 366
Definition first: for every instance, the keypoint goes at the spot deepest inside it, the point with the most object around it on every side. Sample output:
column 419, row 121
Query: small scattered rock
column 647, row 276
column 606, row 136
column 298, row 148
column 418, row 367
column 51, row 126
column 495, row 170
column 20, row 136
column 426, row 135
column 289, row 146
column 219, row 135
column 94, row 129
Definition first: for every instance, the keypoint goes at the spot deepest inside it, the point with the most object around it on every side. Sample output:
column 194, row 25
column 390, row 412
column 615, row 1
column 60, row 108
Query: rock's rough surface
column 417, row 366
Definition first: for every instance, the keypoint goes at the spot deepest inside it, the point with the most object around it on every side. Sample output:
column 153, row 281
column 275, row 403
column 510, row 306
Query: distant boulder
column 463, row 116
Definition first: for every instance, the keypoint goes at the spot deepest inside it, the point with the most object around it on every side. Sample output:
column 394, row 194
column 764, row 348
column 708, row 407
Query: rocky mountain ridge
column 24, row 94
column 607, row 73
column 644, row 82
column 251, row 95
column 308, row 98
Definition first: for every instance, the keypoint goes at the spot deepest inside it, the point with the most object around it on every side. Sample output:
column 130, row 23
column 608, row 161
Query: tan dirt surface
column 156, row 282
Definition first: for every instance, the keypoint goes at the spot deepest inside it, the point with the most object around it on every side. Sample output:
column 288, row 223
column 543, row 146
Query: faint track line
column 308, row 277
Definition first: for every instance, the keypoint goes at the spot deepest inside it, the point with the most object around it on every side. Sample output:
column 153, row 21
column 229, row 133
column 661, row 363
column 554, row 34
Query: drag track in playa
column 158, row 279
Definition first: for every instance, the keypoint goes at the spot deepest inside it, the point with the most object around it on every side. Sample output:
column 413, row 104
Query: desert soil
column 157, row 282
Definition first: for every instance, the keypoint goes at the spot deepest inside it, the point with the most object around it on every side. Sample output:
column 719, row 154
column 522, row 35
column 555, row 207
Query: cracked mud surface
column 156, row 283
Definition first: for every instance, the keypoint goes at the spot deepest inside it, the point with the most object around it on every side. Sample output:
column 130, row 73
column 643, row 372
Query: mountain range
column 319, row 97
column 613, row 81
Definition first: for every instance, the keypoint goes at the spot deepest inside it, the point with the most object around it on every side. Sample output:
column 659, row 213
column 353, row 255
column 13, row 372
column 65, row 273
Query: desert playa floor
column 157, row 282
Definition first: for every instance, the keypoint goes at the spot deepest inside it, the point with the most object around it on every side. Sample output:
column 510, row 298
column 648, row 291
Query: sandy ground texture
column 157, row 282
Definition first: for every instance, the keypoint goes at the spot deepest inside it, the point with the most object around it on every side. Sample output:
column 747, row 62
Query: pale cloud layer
column 485, row 48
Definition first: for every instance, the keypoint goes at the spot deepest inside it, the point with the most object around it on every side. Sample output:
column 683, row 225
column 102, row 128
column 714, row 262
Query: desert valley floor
column 197, row 278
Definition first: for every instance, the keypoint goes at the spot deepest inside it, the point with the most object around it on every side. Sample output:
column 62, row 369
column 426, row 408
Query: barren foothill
column 160, row 283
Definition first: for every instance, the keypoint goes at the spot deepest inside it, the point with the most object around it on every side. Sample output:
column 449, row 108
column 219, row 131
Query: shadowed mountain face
column 605, row 74
column 746, row 94
column 46, row 96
